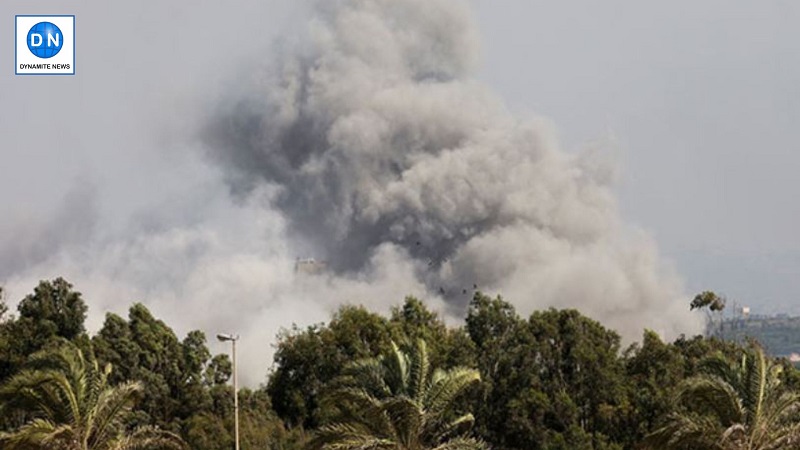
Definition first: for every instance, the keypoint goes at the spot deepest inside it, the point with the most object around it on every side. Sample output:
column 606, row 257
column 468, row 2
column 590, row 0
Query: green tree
column 68, row 404
column 733, row 406
column 653, row 371
column 218, row 371
column 413, row 321
column 114, row 345
column 571, row 391
column 398, row 401
column 173, row 371
column 53, row 312
column 508, row 407
column 697, row 349
column 259, row 427
column 713, row 305
column 306, row 360
column 6, row 344
column 54, row 309
column 193, row 392
column 208, row 432
column 490, row 320
column 3, row 306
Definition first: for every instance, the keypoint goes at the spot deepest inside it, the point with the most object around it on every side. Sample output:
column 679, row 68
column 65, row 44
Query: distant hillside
column 780, row 335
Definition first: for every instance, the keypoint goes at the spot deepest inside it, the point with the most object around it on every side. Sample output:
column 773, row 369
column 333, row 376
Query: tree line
column 553, row 380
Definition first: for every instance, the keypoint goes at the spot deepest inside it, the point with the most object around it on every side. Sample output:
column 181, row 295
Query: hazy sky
column 701, row 101
column 697, row 101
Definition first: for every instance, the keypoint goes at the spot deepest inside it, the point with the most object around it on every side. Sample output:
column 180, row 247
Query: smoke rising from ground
column 365, row 141
column 376, row 135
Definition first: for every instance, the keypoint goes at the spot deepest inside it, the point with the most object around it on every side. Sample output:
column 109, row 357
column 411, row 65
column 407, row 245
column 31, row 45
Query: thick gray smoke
column 376, row 136
column 365, row 141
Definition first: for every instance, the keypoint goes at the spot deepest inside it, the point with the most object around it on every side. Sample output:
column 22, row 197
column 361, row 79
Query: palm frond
column 348, row 436
column 754, row 383
column 685, row 431
column 38, row 433
column 358, row 405
column 396, row 370
column 446, row 386
column 420, row 368
column 28, row 391
column 394, row 402
column 74, row 407
column 733, row 406
column 365, row 372
column 784, row 437
column 711, row 395
column 463, row 444
column 148, row 438
column 406, row 417
column 719, row 366
column 439, row 430
column 733, row 436
column 109, row 408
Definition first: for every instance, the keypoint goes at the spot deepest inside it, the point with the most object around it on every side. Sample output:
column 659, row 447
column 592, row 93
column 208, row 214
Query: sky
column 105, row 178
column 698, row 100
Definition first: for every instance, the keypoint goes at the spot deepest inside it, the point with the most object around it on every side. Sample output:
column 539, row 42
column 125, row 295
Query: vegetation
column 398, row 401
column 553, row 380
column 65, row 402
column 733, row 406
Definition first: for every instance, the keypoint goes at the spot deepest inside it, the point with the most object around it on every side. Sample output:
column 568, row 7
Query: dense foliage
column 553, row 380
column 63, row 400
column 733, row 406
column 399, row 401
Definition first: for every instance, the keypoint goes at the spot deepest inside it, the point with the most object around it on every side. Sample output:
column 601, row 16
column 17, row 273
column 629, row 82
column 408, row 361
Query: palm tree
column 733, row 407
column 70, row 406
column 398, row 402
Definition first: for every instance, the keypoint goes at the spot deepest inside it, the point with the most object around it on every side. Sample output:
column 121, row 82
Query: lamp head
column 223, row 337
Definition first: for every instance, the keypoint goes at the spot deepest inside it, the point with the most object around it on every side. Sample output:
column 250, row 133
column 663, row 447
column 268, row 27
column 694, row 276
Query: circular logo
column 45, row 40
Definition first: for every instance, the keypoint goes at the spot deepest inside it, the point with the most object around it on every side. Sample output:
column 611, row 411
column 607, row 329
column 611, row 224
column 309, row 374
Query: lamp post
column 233, row 338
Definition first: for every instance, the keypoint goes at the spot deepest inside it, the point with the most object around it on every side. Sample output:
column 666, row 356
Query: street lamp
column 233, row 338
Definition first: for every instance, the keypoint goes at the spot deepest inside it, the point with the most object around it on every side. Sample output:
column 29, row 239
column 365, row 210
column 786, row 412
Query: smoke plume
column 363, row 140
column 375, row 135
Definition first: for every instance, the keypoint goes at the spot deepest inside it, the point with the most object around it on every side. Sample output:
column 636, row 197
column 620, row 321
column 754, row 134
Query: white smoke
column 233, row 271
column 368, row 143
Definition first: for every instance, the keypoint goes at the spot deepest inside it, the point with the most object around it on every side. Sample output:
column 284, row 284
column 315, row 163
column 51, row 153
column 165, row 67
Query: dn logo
column 45, row 40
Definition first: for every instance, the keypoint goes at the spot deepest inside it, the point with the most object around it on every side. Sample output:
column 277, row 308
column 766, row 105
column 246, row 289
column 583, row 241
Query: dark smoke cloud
column 376, row 134
column 313, row 129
